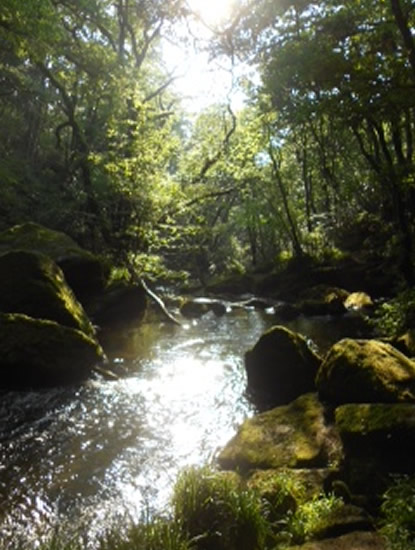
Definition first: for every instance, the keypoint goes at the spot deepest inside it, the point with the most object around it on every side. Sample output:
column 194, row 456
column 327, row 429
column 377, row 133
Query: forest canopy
column 95, row 140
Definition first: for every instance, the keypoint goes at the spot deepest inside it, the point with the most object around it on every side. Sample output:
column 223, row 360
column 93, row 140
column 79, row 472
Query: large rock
column 378, row 439
column 119, row 305
column 280, row 367
column 359, row 300
column 36, row 353
column 322, row 300
column 366, row 371
column 293, row 436
column 197, row 307
column 34, row 285
column 85, row 273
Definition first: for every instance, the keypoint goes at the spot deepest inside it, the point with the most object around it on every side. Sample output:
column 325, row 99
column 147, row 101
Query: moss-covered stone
column 280, row 367
column 366, row 371
column 378, row 439
column 322, row 300
column 386, row 431
column 34, row 285
column 294, row 436
column 36, row 353
column 359, row 300
column 85, row 273
column 404, row 343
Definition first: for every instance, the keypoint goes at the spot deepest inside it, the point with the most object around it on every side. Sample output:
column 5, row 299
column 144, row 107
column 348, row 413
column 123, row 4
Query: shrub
column 308, row 520
column 394, row 317
column 398, row 511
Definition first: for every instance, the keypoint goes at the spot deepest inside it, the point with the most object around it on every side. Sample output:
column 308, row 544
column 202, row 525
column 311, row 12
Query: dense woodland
column 320, row 161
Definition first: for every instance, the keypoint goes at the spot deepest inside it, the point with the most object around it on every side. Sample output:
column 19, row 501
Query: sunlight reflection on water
column 99, row 454
column 113, row 449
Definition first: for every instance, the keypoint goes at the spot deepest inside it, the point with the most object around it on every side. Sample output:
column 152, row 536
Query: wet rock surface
column 280, row 367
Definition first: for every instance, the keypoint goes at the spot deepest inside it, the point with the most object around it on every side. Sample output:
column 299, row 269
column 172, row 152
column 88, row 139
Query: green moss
column 85, row 272
column 398, row 514
column 293, row 435
column 34, row 237
column 33, row 284
column 370, row 418
column 358, row 371
column 35, row 352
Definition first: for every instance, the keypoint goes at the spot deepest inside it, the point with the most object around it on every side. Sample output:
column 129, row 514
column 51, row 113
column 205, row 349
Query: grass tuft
column 217, row 512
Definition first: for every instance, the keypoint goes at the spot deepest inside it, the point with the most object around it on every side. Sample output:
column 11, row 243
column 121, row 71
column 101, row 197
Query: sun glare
column 212, row 12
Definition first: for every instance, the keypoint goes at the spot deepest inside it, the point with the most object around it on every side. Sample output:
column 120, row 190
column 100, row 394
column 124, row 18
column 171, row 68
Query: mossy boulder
column 378, row 439
column 33, row 284
column 366, row 371
column 404, row 342
column 85, row 273
column 343, row 519
column 359, row 301
column 36, row 353
column 280, row 367
column 322, row 300
column 292, row 436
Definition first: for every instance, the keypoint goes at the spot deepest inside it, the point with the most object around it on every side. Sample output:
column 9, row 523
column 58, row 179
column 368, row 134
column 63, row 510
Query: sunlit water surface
column 111, row 449
column 85, row 457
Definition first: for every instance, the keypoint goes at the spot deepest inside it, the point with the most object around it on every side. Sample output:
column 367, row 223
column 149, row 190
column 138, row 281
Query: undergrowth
column 398, row 514
column 217, row 511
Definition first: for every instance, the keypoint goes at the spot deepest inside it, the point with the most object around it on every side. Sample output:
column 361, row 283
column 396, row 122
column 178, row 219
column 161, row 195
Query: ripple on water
column 108, row 449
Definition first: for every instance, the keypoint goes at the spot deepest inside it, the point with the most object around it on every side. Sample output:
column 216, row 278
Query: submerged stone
column 366, row 371
column 36, row 353
column 197, row 307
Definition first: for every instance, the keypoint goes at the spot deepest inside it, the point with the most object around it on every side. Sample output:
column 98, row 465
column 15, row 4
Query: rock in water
column 36, row 353
column 280, row 367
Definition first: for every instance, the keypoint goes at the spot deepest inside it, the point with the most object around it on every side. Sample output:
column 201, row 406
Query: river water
column 85, row 457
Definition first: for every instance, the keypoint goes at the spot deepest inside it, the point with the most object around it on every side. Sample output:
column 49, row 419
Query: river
column 87, row 456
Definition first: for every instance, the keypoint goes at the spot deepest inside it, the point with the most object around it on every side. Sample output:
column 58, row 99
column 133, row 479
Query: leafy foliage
column 398, row 508
column 397, row 315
